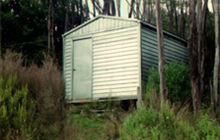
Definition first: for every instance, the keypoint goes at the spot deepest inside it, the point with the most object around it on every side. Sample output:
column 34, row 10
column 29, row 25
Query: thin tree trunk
column 144, row 15
column 160, row 44
column 50, row 23
column 169, row 5
column 197, row 50
column 137, row 9
column 109, row 7
column 87, row 9
column 181, row 19
column 106, row 7
column 66, row 16
column 217, row 46
column 98, row 6
column 94, row 8
column 201, row 20
column 119, row 7
column 0, row 28
column 81, row 11
column 192, row 45
column 150, row 11
column 112, row 5
column 131, row 9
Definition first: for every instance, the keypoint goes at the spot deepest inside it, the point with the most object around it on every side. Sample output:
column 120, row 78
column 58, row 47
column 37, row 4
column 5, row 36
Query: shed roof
column 145, row 24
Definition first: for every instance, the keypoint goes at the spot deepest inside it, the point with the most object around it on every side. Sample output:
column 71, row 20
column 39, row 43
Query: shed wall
column 175, row 50
column 67, row 67
column 114, row 41
column 116, row 63
column 116, row 56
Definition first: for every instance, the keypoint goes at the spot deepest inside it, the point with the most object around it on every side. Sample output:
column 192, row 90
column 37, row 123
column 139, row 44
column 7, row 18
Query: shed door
column 82, row 69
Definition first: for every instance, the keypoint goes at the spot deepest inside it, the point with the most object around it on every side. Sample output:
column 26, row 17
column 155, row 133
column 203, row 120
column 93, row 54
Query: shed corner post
column 139, row 102
column 63, row 53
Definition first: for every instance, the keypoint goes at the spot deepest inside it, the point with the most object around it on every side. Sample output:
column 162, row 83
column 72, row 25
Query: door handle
column 74, row 69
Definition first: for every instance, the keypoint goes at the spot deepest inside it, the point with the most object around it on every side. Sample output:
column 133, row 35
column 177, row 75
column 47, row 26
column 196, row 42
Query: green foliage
column 84, row 124
column 167, row 124
column 136, row 125
column 15, row 108
column 207, row 128
column 177, row 79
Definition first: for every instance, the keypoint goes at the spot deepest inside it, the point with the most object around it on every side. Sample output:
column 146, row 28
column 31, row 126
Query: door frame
column 82, row 37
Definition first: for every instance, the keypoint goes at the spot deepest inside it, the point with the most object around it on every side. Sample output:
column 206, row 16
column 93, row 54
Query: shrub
column 207, row 129
column 177, row 79
column 45, row 88
column 166, row 124
column 15, row 109
column 139, row 125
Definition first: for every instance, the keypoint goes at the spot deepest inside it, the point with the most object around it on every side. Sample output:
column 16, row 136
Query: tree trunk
column 201, row 20
column 170, row 12
column 150, row 11
column 98, row 6
column 119, row 7
column 160, row 44
column 131, row 9
column 197, row 47
column 50, row 27
column 87, row 9
column 193, row 57
column 137, row 9
column 109, row 7
column 181, row 20
column 81, row 11
column 145, row 13
column 0, row 29
column 106, row 8
column 66, row 16
column 94, row 8
column 217, row 45
column 112, row 5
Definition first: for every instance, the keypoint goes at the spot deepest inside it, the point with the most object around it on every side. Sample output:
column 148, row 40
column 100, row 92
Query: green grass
column 88, row 122
column 88, row 127
column 83, row 124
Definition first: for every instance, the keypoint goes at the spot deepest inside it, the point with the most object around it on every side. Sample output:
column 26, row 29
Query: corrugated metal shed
column 108, row 57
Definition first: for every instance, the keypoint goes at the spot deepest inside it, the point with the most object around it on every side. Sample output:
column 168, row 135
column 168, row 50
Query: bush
column 165, row 124
column 45, row 88
column 15, row 109
column 148, row 123
column 139, row 125
column 177, row 79
column 207, row 129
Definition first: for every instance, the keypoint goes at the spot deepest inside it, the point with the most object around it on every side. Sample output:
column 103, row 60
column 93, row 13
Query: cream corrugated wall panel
column 115, row 62
column 174, row 50
column 68, row 68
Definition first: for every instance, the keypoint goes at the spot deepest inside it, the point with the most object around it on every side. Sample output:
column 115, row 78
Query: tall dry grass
column 46, row 89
